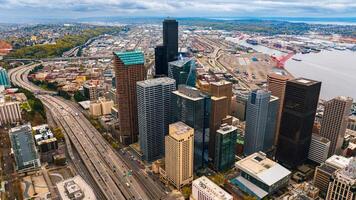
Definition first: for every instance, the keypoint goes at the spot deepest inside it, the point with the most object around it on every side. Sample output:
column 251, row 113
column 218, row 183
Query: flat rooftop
column 179, row 128
column 262, row 168
column 209, row 187
column 226, row 129
column 304, row 81
column 180, row 62
column 156, row 81
column 320, row 138
column 337, row 161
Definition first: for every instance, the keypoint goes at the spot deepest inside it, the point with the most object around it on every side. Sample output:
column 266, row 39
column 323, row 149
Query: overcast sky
column 22, row 9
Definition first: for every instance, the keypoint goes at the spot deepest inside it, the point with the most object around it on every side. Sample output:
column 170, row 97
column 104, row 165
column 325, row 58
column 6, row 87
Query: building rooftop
column 206, row 185
column 224, row 129
column 131, row 57
column 262, row 168
column 179, row 129
column 180, row 62
column 188, row 92
column 156, row 81
column 320, row 138
column 337, row 161
column 220, row 83
column 75, row 188
column 304, row 81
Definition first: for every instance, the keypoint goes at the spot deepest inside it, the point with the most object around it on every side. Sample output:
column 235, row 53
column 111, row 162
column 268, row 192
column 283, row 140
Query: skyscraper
column 183, row 71
column 300, row 104
column 170, row 38
column 161, row 62
column 225, row 147
column 260, row 121
column 193, row 108
column 277, row 85
column 334, row 122
column 129, row 68
column 154, row 106
column 4, row 78
column 179, row 145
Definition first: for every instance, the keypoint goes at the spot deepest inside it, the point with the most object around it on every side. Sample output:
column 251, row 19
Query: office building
column 277, row 85
column 24, row 149
column 225, row 147
column 95, row 109
column 90, row 91
column 260, row 176
column 154, row 104
column 10, row 112
column 183, row 71
column 193, row 108
column 334, row 122
column 179, row 145
column 129, row 69
column 4, row 78
column 170, row 38
column 205, row 189
column 323, row 173
column 343, row 183
column 221, row 94
column 260, row 121
column 161, row 62
column 241, row 104
column 300, row 104
column 319, row 148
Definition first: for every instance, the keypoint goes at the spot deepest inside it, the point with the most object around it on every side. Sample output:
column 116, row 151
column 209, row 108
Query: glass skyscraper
column 225, row 147
column 183, row 71
column 4, row 78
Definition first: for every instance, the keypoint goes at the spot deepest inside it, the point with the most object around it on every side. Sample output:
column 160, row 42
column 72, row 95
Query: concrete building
column 334, row 122
column 24, row 149
column 343, row 183
column 4, row 78
column 240, row 106
column 95, row 109
column 260, row 121
column 300, row 104
column 260, row 176
column 90, row 91
column 205, row 189
column 277, row 85
column 154, row 103
column 179, row 147
column 324, row 172
column 10, row 112
column 74, row 189
column 106, row 106
column 193, row 108
column 129, row 68
column 183, row 71
column 319, row 148
column 225, row 147
column 44, row 138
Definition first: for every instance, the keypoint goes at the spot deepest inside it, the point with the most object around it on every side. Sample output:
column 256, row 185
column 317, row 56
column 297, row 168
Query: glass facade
column 225, row 147
column 183, row 71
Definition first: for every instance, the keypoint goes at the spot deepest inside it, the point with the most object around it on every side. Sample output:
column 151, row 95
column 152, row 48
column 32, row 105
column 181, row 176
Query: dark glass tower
column 161, row 62
column 170, row 38
column 300, row 104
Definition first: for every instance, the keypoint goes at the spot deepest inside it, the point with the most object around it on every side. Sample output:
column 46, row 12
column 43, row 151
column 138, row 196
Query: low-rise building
column 10, row 112
column 319, row 148
column 205, row 189
column 75, row 189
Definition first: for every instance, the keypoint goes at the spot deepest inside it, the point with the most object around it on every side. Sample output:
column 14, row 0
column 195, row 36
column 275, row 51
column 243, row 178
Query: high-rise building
column 154, row 106
column 10, row 112
column 277, row 85
column 260, row 121
column 4, row 78
column 129, row 68
column 193, row 108
column 221, row 93
column 300, row 104
column 205, row 189
column 241, row 104
column 334, row 122
column 90, row 91
column 170, row 38
column 343, row 184
column 23, row 145
column 319, row 148
column 179, row 147
column 183, row 71
column 225, row 147
column 324, row 172
column 161, row 62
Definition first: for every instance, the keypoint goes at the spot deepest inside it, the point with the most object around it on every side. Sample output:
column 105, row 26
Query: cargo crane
column 282, row 60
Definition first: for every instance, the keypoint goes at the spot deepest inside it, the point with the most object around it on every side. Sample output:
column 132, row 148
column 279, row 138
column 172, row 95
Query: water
column 335, row 69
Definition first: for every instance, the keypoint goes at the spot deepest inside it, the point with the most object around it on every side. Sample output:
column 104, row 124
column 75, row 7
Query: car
column 76, row 114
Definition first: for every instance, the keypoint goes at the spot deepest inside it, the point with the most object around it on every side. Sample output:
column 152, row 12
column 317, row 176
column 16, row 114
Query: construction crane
column 282, row 60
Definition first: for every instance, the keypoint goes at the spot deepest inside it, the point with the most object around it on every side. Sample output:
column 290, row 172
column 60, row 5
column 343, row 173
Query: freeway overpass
column 58, row 59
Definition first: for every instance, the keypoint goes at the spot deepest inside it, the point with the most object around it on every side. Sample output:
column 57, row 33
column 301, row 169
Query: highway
column 107, row 168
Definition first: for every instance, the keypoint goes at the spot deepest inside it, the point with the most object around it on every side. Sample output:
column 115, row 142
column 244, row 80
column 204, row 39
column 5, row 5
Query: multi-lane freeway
column 107, row 168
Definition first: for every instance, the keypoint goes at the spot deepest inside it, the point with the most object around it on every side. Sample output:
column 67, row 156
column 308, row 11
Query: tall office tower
column 183, row 71
column 300, row 104
column 319, row 148
column 260, row 121
column 129, row 68
column 154, row 106
column 179, row 145
column 343, row 184
column 193, row 108
column 221, row 93
column 324, row 172
column 334, row 122
column 225, row 147
column 161, row 62
column 205, row 189
column 24, row 148
column 4, row 78
column 170, row 38
column 277, row 85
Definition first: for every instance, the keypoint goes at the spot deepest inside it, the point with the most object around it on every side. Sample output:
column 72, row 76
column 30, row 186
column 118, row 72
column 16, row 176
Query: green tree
column 79, row 97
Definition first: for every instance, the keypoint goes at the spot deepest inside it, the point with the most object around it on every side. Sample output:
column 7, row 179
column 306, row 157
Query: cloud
column 77, row 8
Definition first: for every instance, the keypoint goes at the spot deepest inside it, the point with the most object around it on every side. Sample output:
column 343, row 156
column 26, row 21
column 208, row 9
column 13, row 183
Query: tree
column 64, row 94
column 79, row 97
